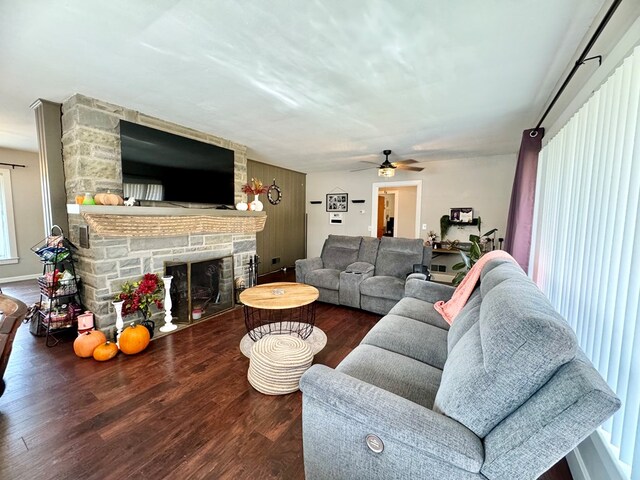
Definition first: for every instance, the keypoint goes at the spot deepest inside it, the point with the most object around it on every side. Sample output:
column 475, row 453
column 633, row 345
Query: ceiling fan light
column 386, row 172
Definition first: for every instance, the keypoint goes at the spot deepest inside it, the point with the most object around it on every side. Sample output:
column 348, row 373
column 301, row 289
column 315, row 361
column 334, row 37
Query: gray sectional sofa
column 363, row 272
column 504, row 393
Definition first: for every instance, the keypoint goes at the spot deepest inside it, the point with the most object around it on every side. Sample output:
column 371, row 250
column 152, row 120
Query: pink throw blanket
column 451, row 309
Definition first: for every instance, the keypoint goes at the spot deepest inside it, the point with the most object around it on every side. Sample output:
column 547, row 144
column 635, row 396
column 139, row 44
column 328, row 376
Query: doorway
column 396, row 209
column 387, row 212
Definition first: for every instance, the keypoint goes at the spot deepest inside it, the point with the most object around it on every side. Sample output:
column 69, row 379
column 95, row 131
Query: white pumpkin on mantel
column 242, row 206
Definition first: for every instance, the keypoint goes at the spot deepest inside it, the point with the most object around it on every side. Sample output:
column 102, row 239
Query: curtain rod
column 13, row 165
column 581, row 59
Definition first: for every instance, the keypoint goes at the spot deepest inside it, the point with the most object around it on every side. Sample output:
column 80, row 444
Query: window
column 8, row 249
column 586, row 241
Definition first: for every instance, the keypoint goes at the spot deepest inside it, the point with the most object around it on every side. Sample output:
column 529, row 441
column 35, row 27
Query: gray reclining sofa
column 363, row 272
column 504, row 393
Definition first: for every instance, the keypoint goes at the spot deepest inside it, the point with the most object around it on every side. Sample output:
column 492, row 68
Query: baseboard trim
column 592, row 460
column 19, row 278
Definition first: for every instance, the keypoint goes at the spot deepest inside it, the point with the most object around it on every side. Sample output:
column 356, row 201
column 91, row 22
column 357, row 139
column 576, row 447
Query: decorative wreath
column 274, row 194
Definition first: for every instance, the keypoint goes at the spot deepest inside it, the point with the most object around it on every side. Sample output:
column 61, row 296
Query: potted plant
column 445, row 223
column 472, row 256
column 255, row 187
column 140, row 296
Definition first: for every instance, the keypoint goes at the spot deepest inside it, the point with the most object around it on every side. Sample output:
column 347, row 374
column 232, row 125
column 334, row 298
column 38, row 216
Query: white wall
column 483, row 183
column 27, row 206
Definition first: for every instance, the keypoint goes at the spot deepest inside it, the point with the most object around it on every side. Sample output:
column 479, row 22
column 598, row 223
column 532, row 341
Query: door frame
column 375, row 189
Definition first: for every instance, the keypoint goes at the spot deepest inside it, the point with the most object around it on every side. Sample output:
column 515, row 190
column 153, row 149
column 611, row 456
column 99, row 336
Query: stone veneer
column 92, row 163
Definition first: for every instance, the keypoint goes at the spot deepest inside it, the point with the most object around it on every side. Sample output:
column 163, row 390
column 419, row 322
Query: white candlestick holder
column 119, row 321
column 168, row 325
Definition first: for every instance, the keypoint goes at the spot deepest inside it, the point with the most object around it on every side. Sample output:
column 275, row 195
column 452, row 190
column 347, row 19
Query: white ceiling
column 308, row 85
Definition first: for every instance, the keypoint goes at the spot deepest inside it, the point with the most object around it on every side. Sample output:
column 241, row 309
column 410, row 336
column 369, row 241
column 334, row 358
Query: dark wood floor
column 181, row 409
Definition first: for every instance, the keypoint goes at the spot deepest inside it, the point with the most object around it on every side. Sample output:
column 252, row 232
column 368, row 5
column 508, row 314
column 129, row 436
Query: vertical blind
column 586, row 241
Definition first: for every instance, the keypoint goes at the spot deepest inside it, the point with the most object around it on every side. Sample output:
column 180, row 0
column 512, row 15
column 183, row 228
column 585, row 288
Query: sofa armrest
column 393, row 418
column 417, row 276
column 427, row 291
column 305, row 266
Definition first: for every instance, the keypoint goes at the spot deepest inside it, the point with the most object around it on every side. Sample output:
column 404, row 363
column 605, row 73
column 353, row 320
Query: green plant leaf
column 458, row 278
column 490, row 232
column 466, row 259
column 445, row 223
column 474, row 238
column 459, row 266
column 475, row 252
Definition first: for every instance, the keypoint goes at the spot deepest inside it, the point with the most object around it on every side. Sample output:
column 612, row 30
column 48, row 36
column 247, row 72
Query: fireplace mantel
column 121, row 221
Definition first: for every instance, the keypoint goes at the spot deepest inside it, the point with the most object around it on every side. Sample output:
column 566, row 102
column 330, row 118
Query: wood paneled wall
column 284, row 234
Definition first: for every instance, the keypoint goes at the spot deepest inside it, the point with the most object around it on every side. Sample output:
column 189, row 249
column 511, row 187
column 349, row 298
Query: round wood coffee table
column 285, row 308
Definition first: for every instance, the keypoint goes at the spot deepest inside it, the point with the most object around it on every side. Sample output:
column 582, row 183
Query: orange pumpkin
column 134, row 339
column 79, row 199
column 86, row 343
column 108, row 199
column 105, row 352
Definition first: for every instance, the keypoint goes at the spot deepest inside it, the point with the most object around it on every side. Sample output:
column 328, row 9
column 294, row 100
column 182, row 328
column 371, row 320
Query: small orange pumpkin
column 105, row 352
column 86, row 343
column 108, row 199
column 134, row 339
column 79, row 199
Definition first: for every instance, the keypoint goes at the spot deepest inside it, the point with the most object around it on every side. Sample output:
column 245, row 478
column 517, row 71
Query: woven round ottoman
column 277, row 363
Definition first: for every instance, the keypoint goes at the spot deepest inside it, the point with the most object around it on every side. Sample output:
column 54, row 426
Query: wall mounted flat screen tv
column 161, row 166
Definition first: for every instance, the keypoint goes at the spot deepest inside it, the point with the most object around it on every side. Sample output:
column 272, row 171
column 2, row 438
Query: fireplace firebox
column 200, row 289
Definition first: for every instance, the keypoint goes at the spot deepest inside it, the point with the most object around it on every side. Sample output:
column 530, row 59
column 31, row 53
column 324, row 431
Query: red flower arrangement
column 139, row 296
column 255, row 187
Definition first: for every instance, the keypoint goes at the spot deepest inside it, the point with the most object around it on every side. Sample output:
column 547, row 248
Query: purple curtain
column 517, row 240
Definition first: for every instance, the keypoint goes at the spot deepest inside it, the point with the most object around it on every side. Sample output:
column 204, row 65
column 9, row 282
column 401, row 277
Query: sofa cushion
column 324, row 278
column 396, row 256
column 391, row 288
column 411, row 338
column 419, row 310
column 339, row 251
column 368, row 250
column 359, row 267
column 496, row 272
column 467, row 317
column 393, row 372
column 508, row 354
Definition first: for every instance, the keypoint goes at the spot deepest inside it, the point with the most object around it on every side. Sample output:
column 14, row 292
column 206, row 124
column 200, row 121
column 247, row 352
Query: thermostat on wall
column 336, row 218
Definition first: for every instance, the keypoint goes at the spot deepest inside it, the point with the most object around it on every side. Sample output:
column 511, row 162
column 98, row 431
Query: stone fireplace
column 126, row 242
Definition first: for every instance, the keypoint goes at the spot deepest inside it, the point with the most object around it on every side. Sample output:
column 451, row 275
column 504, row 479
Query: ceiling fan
column 388, row 169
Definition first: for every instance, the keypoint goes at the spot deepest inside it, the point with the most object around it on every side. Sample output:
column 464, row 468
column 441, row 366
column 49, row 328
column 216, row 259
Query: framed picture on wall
column 461, row 215
column 337, row 202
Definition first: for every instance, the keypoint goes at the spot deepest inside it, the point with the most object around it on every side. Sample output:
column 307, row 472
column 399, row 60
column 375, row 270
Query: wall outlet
column 369, row 228
column 275, row 260
column 424, row 226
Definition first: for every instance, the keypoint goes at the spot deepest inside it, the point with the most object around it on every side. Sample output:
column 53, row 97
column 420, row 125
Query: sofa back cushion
column 396, row 256
column 339, row 251
column 496, row 272
column 517, row 344
column 427, row 255
column 368, row 250
column 467, row 317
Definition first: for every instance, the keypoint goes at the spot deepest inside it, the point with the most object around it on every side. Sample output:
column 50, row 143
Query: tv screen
column 161, row 166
